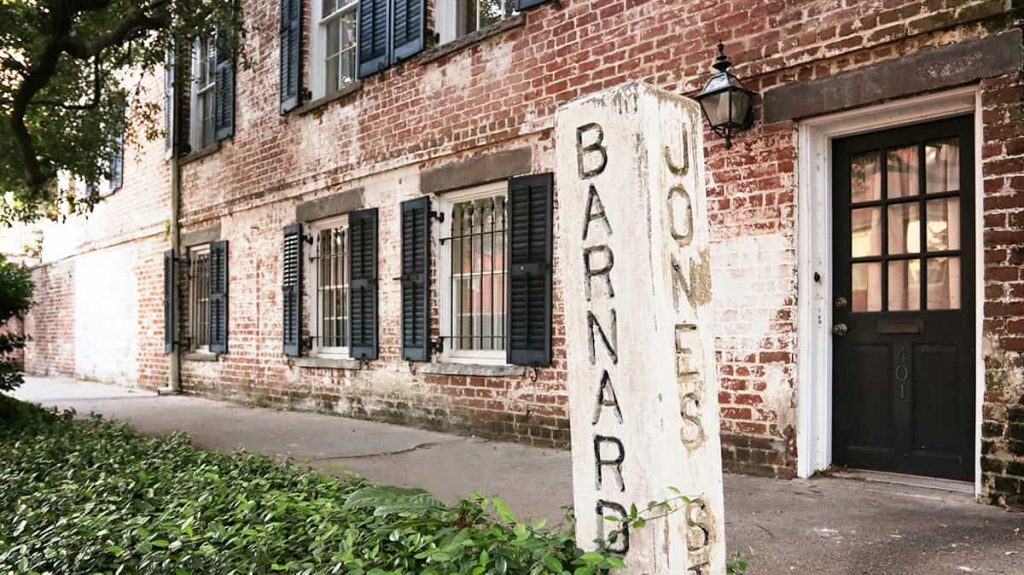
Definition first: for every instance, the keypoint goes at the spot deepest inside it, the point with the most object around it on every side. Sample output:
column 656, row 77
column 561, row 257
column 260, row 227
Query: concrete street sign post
column 643, row 394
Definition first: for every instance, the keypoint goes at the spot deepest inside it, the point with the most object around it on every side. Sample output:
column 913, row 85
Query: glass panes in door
column 905, row 228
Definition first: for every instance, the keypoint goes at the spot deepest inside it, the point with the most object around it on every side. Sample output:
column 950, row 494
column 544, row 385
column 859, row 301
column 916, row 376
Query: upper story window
column 330, row 281
column 473, row 269
column 456, row 18
column 204, row 83
column 334, row 46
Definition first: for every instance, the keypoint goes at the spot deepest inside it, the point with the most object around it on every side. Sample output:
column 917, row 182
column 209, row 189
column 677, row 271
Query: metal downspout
column 174, row 363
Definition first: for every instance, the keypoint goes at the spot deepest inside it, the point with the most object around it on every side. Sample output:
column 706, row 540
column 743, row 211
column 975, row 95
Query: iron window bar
column 331, row 312
column 476, row 224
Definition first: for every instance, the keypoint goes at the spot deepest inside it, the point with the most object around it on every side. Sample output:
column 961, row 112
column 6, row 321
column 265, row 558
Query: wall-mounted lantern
column 727, row 105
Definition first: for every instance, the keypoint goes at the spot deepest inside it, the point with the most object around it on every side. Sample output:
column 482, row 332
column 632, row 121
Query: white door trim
column 814, row 257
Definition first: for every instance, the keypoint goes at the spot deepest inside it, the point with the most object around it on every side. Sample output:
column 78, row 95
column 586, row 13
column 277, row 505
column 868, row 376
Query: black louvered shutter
column 219, row 296
column 117, row 163
column 224, row 94
column 529, row 270
column 170, row 300
column 291, row 54
column 407, row 28
column 169, row 99
column 374, row 20
column 521, row 5
column 362, row 293
column 416, row 279
column 183, row 98
column 291, row 290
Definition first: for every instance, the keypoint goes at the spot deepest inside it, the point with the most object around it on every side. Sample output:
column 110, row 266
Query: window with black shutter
column 389, row 31
column 224, row 90
column 170, row 300
column 363, row 284
column 291, row 290
column 218, row 296
column 291, row 54
column 529, row 269
column 416, row 279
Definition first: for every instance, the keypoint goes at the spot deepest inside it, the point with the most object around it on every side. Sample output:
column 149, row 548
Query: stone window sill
column 326, row 363
column 438, row 52
column 474, row 369
column 200, row 356
column 199, row 154
column 321, row 102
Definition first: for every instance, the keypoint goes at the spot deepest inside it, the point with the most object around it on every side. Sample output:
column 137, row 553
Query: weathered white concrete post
column 633, row 244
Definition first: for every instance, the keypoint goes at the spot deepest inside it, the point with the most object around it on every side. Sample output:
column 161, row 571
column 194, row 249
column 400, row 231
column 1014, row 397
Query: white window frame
column 448, row 18
column 318, row 71
column 199, row 89
column 312, row 294
column 446, row 204
column 193, row 253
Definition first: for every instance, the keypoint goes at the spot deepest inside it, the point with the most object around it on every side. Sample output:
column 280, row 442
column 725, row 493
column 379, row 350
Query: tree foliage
column 69, row 84
column 15, row 299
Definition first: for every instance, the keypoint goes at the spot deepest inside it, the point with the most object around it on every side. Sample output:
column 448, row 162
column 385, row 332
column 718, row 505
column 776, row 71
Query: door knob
column 840, row 329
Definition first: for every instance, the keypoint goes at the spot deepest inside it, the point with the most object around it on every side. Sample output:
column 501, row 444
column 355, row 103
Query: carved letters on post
column 598, row 262
column 634, row 253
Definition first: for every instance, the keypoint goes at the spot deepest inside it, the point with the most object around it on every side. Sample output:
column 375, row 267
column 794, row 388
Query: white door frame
column 814, row 257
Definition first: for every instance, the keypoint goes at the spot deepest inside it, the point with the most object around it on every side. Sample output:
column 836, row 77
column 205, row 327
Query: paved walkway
column 818, row 526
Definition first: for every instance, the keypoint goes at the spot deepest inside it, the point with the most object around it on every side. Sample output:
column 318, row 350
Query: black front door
column 903, row 297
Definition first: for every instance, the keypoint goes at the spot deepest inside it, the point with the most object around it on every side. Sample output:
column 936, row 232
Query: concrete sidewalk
column 818, row 526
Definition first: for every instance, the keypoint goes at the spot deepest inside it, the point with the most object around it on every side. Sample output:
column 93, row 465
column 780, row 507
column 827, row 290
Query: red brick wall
column 130, row 223
column 50, row 325
column 501, row 93
column 1003, row 167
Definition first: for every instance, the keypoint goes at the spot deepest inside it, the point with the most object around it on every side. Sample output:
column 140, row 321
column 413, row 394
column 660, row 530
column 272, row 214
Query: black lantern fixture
column 727, row 105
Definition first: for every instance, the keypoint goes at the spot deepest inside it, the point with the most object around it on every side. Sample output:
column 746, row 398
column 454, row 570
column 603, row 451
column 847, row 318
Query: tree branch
column 97, row 89
column 62, row 41
column 135, row 21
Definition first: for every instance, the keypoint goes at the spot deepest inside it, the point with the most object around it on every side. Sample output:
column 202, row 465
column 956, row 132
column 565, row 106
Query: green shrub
column 93, row 497
column 15, row 300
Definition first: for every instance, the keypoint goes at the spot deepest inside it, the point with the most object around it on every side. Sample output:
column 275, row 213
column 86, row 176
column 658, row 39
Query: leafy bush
column 94, row 497
column 15, row 300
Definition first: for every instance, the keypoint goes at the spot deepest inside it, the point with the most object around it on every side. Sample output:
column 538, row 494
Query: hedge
column 92, row 496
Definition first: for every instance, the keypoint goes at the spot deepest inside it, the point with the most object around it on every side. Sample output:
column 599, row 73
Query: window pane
column 199, row 284
column 332, row 288
column 903, row 170
column 942, row 165
column 478, row 274
column 328, row 7
column 866, row 232
column 905, row 228
column 943, row 283
column 905, row 285
column 348, row 46
column 943, row 231
column 491, row 11
column 867, row 286
column 333, row 37
column 865, row 178
column 467, row 14
column 332, row 74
